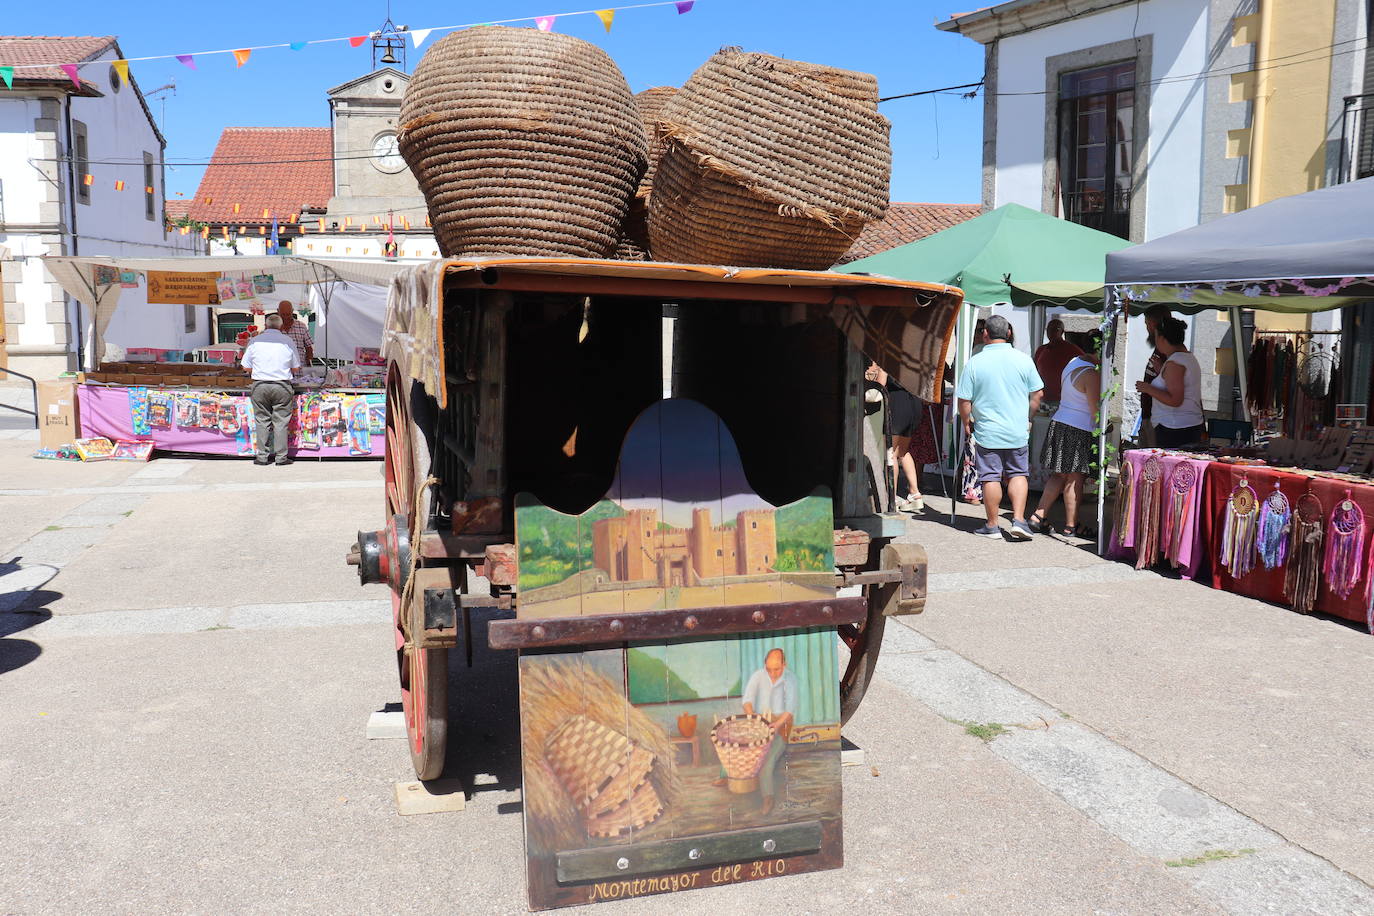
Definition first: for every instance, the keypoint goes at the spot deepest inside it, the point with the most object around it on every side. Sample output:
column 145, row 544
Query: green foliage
column 806, row 536
column 552, row 546
column 652, row 681
column 1210, row 855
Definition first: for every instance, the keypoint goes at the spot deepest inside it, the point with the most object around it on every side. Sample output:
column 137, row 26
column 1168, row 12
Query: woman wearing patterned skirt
column 1070, row 448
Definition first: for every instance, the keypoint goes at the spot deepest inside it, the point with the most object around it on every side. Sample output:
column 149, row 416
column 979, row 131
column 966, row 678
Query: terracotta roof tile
column 176, row 209
column 36, row 57
column 285, row 170
column 907, row 222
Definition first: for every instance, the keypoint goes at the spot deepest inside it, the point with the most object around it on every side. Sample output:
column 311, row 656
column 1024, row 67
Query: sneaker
column 1020, row 531
column 283, row 462
column 262, row 462
column 989, row 531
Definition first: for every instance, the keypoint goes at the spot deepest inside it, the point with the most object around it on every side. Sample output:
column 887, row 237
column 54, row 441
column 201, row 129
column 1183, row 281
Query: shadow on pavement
column 16, row 653
column 484, row 715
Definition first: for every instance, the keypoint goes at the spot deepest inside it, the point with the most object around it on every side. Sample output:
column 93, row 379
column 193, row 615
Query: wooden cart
column 656, row 476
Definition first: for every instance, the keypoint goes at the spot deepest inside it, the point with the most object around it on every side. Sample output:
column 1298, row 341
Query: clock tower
column 370, row 177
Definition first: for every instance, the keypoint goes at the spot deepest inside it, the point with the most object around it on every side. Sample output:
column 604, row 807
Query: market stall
column 986, row 256
column 197, row 401
column 1287, row 519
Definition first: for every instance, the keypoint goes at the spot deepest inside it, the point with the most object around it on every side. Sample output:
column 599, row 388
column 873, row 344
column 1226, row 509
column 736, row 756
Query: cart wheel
column 424, row 691
column 423, row 672
column 864, row 641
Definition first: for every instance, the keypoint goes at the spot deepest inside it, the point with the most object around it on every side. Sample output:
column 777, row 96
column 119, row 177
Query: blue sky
column 936, row 139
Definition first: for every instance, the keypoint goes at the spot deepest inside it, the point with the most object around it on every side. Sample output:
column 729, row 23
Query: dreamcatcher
column 1125, row 503
column 1180, row 502
column 1314, row 375
column 1275, row 518
column 1237, row 550
column 1304, row 554
column 1147, row 514
column 1344, row 548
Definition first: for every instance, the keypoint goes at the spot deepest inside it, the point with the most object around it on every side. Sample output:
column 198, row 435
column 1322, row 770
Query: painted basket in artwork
column 768, row 163
column 523, row 142
column 741, row 742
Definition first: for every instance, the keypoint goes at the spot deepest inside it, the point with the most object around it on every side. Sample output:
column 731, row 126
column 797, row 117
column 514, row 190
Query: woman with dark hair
column 1177, row 391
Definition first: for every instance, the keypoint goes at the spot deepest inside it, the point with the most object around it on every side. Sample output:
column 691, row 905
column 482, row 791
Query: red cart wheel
column 863, row 640
column 423, row 672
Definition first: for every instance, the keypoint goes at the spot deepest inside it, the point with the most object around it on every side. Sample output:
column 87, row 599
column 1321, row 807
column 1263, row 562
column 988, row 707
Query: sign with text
column 167, row 287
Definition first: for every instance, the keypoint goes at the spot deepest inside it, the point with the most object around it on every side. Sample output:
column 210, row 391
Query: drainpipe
column 75, row 243
column 1258, row 115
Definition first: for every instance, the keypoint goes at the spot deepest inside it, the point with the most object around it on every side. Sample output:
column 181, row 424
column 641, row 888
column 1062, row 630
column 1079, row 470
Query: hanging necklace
column 1344, row 548
column 1237, row 550
column 1147, row 521
column 1276, row 517
column 1304, row 554
column 1180, row 501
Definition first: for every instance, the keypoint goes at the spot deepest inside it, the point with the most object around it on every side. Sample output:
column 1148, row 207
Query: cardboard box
column 58, row 423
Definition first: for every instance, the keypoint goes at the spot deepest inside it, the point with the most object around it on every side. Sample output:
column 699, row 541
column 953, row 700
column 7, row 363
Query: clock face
column 386, row 154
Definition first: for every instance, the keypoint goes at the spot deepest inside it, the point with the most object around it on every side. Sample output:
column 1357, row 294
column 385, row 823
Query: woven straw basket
column 606, row 775
column 741, row 742
column 523, row 142
column 768, row 163
column 634, row 240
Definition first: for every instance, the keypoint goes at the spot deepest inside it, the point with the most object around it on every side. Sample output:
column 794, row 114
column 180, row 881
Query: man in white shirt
column 273, row 360
column 771, row 693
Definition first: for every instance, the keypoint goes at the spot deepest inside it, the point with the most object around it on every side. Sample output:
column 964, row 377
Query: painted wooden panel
column 668, row 766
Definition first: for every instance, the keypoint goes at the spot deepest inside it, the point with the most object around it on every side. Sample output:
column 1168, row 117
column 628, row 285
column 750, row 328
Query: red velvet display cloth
column 1264, row 583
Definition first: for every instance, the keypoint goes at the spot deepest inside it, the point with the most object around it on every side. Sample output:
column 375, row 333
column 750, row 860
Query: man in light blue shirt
column 998, row 393
column 771, row 693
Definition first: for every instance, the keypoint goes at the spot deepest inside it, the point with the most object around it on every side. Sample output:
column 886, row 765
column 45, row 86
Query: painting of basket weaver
column 641, row 762
column 680, row 528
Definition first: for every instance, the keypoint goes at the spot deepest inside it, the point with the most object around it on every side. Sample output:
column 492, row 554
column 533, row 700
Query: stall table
column 1267, row 584
column 1192, row 556
column 106, row 410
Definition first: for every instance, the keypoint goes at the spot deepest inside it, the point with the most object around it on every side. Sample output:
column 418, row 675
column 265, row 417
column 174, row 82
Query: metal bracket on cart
column 900, row 580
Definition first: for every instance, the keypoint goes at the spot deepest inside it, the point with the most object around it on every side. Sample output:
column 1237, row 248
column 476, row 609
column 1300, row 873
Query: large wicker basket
column 523, row 142
column 768, row 163
column 634, row 240
column 741, row 743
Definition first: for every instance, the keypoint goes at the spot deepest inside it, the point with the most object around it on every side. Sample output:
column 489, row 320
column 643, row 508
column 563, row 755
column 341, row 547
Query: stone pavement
column 187, row 669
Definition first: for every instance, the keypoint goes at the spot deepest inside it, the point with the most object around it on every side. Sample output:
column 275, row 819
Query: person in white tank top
column 1069, row 450
column 1177, row 390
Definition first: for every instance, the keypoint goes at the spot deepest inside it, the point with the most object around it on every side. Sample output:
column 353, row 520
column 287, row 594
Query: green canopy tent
column 990, row 254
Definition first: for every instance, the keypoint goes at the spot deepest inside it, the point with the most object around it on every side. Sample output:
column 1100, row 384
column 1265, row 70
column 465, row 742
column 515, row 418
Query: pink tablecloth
column 1191, row 552
column 104, row 411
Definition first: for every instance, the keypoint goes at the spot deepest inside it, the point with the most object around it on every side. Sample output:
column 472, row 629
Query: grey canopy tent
column 1307, row 253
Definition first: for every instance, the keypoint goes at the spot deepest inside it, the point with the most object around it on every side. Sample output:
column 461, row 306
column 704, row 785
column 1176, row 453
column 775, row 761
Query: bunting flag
column 147, row 189
column 348, row 221
column 266, row 213
column 684, row 6
column 297, row 45
column 418, row 36
column 237, row 207
column 119, row 185
column 188, row 59
column 121, row 66
column 224, row 231
column 545, row 23
column 70, row 70
column 88, row 179
column 321, row 225
column 209, row 201
column 357, row 40
column 241, row 56
column 606, row 17
column 7, row 74
column 205, row 232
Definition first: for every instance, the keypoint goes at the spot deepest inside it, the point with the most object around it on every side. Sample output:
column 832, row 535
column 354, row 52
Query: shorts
column 995, row 464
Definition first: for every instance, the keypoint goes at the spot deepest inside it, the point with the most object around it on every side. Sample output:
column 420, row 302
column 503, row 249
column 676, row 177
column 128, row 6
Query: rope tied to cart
column 408, row 589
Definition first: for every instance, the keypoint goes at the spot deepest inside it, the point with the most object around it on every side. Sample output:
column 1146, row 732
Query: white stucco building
column 80, row 173
column 1145, row 117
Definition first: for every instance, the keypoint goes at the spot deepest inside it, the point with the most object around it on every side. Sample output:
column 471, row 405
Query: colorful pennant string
column 418, row 36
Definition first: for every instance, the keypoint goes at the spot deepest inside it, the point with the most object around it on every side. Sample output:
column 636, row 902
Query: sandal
column 1037, row 522
column 1085, row 532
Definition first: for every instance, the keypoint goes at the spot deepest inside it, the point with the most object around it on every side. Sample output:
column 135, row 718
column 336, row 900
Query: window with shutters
column 1096, row 147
